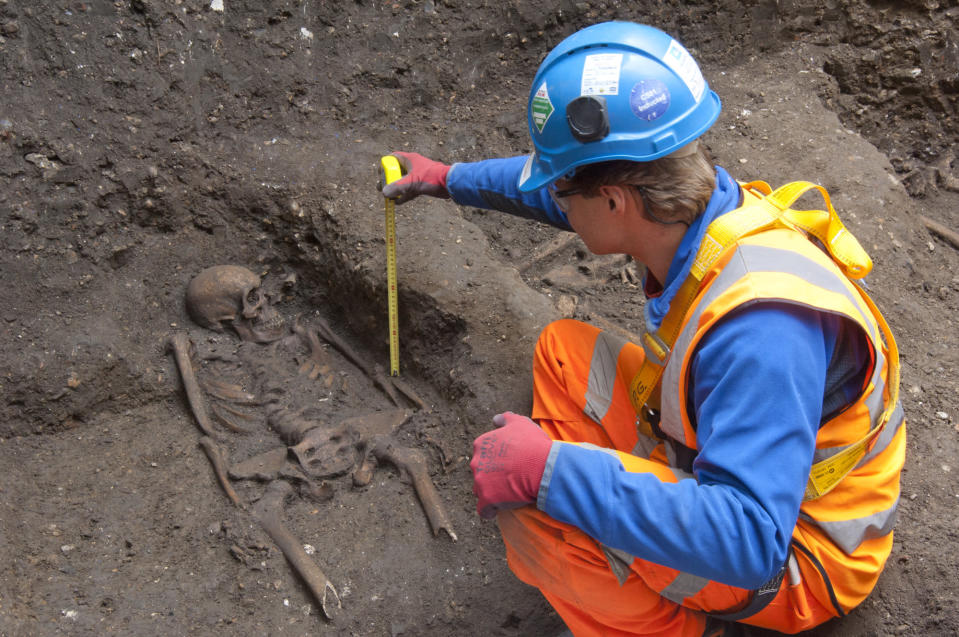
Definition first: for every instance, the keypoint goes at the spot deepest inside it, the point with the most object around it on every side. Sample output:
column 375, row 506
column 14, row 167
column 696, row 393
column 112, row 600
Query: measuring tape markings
column 391, row 173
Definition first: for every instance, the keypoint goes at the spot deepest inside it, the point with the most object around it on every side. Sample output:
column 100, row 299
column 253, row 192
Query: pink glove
column 508, row 464
column 422, row 176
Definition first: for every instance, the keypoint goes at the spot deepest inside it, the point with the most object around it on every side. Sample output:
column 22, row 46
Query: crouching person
column 742, row 462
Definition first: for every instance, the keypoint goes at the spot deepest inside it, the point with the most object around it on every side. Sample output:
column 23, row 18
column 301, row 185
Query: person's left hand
column 508, row 464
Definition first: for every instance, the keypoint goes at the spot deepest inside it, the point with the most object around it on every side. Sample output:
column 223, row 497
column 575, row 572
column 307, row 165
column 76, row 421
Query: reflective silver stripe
column 792, row 570
column 874, row 399
column 886, row 435
column 671, row 456
column 644, row 447
column 602, row 375
column 606, row 450
column 619, row 562
column 766, row 259
column 749, row 258
column 685, row 585
column 543, row 492
column 849, row 534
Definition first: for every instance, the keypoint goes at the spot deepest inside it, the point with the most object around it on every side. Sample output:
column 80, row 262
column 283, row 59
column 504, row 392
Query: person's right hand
column 421, row 176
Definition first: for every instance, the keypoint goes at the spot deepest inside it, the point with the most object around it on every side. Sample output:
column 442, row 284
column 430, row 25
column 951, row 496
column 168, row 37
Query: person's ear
column 615, row 197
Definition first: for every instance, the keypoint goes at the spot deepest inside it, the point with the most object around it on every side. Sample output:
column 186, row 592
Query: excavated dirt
column 142, row 141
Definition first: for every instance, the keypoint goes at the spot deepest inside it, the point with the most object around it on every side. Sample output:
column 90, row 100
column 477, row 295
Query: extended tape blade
column 391, row 172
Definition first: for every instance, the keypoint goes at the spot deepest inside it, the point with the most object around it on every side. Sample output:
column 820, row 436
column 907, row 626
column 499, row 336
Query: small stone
column 566, row 305
column 941, row 415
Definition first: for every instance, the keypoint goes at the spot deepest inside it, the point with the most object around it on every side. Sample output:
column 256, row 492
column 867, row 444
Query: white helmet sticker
column 682, row 63
column 541, row 107
column 601, row 74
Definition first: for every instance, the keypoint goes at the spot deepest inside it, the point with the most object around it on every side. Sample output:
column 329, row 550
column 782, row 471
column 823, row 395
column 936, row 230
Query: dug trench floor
column 115, row 524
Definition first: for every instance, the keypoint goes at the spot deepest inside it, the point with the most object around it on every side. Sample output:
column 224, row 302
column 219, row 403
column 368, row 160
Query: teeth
column 276, row 321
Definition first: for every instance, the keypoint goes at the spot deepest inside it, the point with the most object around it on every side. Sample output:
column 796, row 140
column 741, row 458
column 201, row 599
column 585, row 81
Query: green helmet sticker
column 541, row 108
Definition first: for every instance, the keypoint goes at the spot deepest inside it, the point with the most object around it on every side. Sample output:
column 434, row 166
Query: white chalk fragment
column 217, row 5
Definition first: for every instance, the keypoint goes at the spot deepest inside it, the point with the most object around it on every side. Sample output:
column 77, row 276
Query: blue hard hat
column 616, row 90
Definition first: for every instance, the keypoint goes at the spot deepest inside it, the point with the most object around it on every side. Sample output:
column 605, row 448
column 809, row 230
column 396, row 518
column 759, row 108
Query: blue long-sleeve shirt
column 758, row 381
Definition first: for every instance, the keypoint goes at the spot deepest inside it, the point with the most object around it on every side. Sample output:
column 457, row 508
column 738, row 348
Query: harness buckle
column 657, row 351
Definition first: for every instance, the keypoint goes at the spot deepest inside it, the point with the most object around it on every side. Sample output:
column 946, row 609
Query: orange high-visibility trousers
column 565, row 564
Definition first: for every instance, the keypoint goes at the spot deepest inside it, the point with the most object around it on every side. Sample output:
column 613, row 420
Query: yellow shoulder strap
column 826, row 226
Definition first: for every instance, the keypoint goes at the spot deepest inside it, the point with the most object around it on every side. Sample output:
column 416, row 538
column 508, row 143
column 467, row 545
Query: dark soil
column 142, row 141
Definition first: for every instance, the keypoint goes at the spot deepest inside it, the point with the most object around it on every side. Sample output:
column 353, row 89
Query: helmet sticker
column 682, row 63
column 601, row 74
column 541, row 108
column 649, row 99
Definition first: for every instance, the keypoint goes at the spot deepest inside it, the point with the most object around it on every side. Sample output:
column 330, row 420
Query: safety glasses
column 560, row 197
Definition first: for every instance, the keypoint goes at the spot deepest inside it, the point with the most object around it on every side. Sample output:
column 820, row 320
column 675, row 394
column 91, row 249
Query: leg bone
column 268, row 511
column 413, row 462
column 389, row 385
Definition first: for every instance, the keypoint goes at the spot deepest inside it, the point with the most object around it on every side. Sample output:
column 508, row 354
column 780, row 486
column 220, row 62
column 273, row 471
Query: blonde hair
column 675, row 189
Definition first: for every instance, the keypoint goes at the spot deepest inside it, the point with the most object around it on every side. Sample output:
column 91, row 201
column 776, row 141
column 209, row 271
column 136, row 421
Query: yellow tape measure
column 391, row 172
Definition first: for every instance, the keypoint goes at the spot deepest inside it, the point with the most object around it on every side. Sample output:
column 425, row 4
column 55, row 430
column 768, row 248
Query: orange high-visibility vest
column 844, row 532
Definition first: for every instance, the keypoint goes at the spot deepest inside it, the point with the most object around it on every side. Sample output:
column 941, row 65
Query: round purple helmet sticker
column 649, row 99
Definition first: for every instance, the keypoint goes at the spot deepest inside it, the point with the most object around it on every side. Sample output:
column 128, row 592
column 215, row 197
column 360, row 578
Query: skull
column 231, row 295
